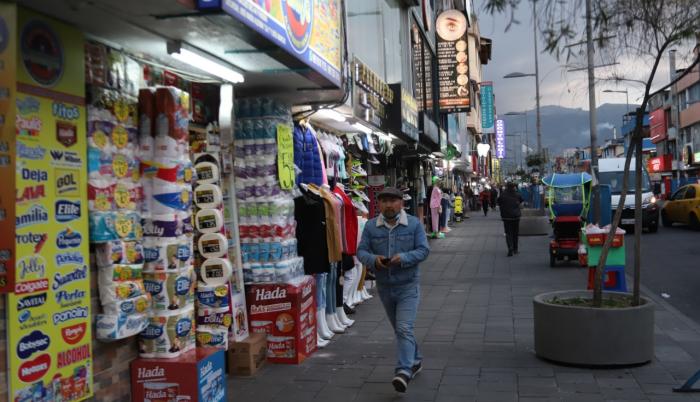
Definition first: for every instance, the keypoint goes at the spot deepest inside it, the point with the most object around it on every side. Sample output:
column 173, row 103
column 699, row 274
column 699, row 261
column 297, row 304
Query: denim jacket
column 407, row 239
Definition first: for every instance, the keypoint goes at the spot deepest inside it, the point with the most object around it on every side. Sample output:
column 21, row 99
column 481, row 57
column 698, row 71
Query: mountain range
column 565, row 127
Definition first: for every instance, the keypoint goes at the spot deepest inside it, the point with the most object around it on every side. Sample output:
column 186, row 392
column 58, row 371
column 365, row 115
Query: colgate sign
column 31, row 286
column 33, row 370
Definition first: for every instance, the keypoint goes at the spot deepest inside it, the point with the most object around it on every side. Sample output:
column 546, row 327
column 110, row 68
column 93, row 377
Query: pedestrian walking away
column 485, row 198
column 494, row 197
column 393, row 245
column 509, row 203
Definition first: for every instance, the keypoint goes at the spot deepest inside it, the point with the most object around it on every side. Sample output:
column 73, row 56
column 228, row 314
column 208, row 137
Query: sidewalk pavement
column 475, row 328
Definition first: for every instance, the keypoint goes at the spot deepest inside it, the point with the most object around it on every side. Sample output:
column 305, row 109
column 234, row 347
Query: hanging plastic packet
column 168, row 225
column 109, row 226
column 214, row 317
column 167, row 254
column 136, row 305
column 168, row 336
column 213, row 296
column 112, row 327
column 212, row 337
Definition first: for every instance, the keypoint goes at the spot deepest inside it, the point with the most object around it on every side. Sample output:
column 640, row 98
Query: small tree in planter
column 641, row 30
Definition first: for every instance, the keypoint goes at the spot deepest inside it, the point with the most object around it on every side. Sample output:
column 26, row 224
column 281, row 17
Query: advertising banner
column 500, row 139
column 8, row 59
column 307, row 29
column 486, row 96
column 453, row 63
column 48, row 322
column 657, row 123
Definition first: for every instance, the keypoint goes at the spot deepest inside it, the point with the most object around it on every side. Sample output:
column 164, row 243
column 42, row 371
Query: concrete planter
column 593, row 336
column 534, row 222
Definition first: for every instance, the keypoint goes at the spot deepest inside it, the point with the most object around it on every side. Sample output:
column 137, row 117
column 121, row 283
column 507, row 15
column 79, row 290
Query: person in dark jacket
column 485, row 198
column 509, row 203
column 494, row 197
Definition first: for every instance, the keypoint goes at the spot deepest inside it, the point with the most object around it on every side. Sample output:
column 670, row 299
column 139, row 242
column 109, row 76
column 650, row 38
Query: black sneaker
column 400, row 382
column 417, row 368
column 348, row 310
column 510, row 253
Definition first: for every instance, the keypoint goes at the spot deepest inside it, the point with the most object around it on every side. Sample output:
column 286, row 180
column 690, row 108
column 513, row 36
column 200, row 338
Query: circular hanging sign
column 42, row 54
column 298, row 20
column 451, row 25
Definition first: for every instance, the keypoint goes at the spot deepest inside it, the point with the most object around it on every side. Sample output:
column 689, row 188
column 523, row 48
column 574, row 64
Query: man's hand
column 395, row 260
column 380, row 262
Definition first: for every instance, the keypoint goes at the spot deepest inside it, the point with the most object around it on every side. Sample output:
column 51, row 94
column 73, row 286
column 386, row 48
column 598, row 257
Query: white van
column 611, row 172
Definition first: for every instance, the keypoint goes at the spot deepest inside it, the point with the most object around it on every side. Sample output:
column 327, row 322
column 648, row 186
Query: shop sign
column 660, row 164
column 430, row 130
column 50, row 305
column 486, row 96
column 422, row 69
column 500, row 139
column 409, row 115
column 372, row 96
column 307, row 29
column 453, row 63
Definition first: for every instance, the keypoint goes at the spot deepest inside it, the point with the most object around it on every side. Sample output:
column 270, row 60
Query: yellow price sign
column 120, row 166
column 285, row 156
column 121, row 110
column 120, row 137
column 123, row 226
column 100, row 139
column 122, row 197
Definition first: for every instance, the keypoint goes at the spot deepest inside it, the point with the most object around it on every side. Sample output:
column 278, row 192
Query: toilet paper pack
column 168, row 336
column 214, row 337
column 171, row 290
column 119, row 252
column 111, row 327
column 136, row 305
column 167, row 254
column 213, row 296
column 168, row 225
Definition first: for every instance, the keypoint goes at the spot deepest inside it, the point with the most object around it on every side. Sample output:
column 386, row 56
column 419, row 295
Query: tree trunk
column 638, row 223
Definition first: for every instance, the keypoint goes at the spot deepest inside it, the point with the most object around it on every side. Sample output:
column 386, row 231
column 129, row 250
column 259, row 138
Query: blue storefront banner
column 306, row 29
column 487, row 107
column 208, row 4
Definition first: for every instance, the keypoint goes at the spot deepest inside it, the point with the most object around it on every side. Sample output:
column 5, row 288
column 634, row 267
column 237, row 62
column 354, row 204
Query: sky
column 513, row 51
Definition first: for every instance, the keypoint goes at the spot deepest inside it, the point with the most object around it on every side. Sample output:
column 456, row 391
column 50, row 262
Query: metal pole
column 592, row 111
column 675, row 108
column 537, row 96
column 627, row 96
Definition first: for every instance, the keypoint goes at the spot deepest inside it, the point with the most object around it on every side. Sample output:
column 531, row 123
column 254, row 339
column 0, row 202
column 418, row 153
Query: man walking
column 392, row 245
column 485, row 198
column 509, row 203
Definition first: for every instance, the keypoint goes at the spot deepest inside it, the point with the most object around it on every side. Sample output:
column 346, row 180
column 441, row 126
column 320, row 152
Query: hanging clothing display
column 306, row 155
column 312, row 242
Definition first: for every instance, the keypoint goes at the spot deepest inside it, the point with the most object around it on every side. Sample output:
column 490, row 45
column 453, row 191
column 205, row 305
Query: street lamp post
column 527, row 141
column 627, row 96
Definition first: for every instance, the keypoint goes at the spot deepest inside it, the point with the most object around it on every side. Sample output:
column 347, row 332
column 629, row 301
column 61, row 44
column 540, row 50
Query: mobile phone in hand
column 386, row 261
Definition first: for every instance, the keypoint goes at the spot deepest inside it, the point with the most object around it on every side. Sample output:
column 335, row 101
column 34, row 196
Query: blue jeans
column 331, row 279
column 321, row 291
column 401, row 305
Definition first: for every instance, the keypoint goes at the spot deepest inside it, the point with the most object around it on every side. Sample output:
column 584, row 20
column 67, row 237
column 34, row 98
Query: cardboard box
column 286, row 312
column 196, row 376
column 248, row 356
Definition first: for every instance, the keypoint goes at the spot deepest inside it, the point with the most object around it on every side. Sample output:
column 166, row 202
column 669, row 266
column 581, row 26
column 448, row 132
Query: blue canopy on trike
column 568, row 194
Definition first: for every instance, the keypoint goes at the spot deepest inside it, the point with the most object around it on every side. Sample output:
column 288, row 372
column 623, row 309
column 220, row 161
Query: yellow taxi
column 683, row 207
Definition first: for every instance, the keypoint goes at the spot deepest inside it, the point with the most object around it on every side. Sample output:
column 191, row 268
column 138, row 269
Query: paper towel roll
column 168, row 147
column 207, row 172
column 212, row 245
column 215, row 271
column 209, row 221
column 208, row 196
column 170, row 197
column 173, row 114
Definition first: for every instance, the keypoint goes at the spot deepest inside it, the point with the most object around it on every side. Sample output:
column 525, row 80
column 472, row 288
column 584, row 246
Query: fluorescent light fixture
column 203, row 63
column 363, row 128
column 331, row 114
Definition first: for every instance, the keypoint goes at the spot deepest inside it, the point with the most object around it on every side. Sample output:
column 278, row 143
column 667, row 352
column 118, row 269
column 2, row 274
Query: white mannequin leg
column 323, row 329
column 344, row 318
column 320, row 342
column 334, row 325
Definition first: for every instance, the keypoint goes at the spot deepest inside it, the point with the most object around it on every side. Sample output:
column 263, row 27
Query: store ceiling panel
column 144, row 26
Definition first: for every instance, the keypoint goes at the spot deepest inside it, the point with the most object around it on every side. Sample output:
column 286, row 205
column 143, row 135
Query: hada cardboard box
column 286, row 312
column 196, row 376
column 247, row 356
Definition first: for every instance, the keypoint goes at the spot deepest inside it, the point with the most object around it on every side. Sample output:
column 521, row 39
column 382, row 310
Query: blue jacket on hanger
column 306, row 156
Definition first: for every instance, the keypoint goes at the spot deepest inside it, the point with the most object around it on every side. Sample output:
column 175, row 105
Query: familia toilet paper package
column 111, row 327
column 163, row 254
column 171, row 290
column 167, row 336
